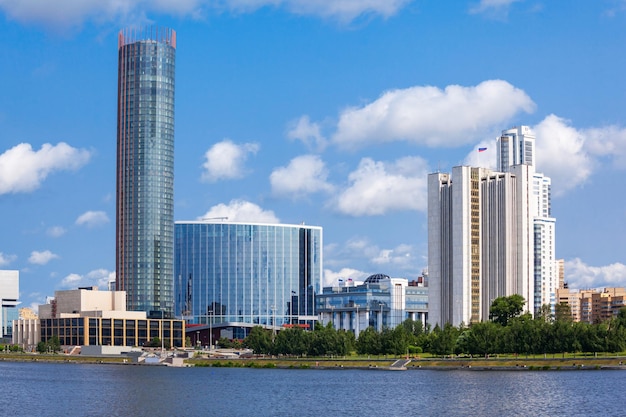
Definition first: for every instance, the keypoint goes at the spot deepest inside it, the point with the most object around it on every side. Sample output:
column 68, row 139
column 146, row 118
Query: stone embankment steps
column 400, row 365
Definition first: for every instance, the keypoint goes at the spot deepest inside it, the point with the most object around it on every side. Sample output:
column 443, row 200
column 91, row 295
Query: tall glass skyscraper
column 145, row 169
column 247, row 274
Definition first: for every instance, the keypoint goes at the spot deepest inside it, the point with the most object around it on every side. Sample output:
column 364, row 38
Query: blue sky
column 325, row 112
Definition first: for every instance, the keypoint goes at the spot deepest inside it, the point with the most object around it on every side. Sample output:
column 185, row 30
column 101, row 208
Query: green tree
column 292, row 341
column 545, row 314
column 369, row 342
column 504, row 309
column 443, row 341
column 563, row 312
column 54, row 344
column 259, row 340
column 482, row 338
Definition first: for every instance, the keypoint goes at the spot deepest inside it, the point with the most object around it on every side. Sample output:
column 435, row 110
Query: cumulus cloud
column 331, row 278
column 41, row 258
column 97, row 277
column 484, row 159
column 308, row 133
column 69, row 13
column 579, row 275
column 225, row 160
column 92, row 219
column 305, row 174
column 430, row 116
column 561, row 154
column 376, row 188
column 609, row 142
column 240, row 211
column 22, row 169
column 399, row 257
column 6, row 259
column 55, row 231
column 360, row 250
column 568, row 155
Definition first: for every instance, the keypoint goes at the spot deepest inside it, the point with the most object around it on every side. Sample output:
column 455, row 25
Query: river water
column 48, row 389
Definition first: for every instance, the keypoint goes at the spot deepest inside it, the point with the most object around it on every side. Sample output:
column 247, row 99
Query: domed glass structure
column 376, row 278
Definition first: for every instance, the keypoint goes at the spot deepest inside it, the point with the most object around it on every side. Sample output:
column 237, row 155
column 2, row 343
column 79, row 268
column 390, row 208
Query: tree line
column 508, row 331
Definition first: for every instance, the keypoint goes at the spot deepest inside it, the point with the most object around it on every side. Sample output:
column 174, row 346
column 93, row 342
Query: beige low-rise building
column 90, row 317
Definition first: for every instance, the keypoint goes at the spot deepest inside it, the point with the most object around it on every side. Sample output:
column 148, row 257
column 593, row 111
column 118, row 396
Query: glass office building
column 145, row 170
column 241, row 274
column 379, row 302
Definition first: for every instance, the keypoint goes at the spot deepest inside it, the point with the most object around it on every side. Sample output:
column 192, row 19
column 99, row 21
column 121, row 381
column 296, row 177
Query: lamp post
column 162, row 332
column 210, row 329
column 381, row 316
column 356, row 328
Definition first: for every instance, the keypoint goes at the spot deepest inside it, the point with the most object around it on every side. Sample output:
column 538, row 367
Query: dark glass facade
column 145, row 170
column 98, row 331
column 252, row 274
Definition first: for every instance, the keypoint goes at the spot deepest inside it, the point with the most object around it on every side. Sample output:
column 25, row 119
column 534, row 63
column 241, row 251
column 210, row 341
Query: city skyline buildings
column 59, row 206
column 145, row 169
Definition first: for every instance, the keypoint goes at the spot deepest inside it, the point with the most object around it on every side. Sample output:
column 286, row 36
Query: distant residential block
column 593, row 305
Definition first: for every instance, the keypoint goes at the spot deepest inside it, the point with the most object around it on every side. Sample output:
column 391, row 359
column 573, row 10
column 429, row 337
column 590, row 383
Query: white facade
column 9, row 294
column 479, row 242
column 546, row 271
column 26, row 333
column 515, row 146
column 88, row 302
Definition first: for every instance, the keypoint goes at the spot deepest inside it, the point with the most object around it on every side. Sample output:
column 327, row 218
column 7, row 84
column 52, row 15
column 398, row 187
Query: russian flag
column 482, row 149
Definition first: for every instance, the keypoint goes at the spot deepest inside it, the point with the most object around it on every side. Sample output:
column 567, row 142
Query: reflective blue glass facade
column 248, row 274
column 145, row 170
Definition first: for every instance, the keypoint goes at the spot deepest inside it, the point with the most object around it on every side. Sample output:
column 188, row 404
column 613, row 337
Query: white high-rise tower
column 480, row 242
column 515, row 146
column 491, row 234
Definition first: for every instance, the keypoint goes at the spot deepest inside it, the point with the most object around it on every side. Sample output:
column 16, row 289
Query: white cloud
column 360, row 250
column 579, row 275
column 41, row 258
column 494, row 8
column 561, row 154
column 399, row 257
column 92, row 219
column 97, row 277
column 430, row 116
column 484, row 159
column 70, row 13
column 55, row 231
column 608, row 141
column 568, row 155
column 343, row 10
column 331, row 278
column 225, row 160
column 241, row 211
column 308, row 133
column 377, row 188
column 305, row 174
column 22, row 169
column 6, row 259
